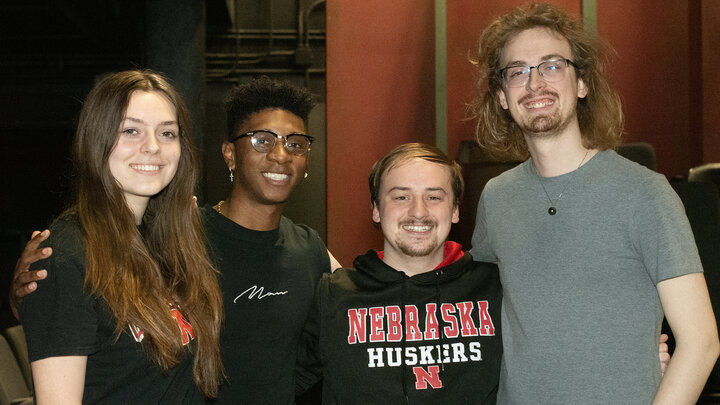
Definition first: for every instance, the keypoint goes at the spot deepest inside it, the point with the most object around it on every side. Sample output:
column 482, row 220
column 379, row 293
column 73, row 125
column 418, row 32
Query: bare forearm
column 687, row 373
column 59, row 380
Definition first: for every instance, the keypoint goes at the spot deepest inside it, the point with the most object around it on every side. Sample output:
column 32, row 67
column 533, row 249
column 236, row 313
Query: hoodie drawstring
column 438, row 314
column 404, row 333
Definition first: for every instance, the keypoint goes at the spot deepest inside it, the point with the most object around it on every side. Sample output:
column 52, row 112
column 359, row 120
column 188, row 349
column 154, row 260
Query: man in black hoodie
column 418, row 322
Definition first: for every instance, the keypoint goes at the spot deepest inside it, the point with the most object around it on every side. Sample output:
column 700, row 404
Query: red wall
column 380, row 87
column 650, row 71
column 380, row 93
column 465, row 21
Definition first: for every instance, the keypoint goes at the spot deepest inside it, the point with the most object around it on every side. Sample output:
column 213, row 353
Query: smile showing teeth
column 539, row 104
column 275, row 176
column 416, row 228
column 146, row 168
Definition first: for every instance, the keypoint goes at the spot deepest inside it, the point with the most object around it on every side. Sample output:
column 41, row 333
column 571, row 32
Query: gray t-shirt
column 581, row 314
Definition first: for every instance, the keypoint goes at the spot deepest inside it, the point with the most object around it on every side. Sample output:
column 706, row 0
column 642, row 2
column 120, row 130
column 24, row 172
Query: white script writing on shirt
column 257, row 292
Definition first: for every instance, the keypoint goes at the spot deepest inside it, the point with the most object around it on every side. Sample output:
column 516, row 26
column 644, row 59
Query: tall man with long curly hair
column 593, row 249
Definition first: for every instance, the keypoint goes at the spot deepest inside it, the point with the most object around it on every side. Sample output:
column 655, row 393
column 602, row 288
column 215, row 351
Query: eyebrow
column 399, row 188
column 139, row 121
column 542, row 59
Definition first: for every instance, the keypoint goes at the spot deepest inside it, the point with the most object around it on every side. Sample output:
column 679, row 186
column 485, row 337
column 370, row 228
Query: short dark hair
column 262, row 93
column 404, row 153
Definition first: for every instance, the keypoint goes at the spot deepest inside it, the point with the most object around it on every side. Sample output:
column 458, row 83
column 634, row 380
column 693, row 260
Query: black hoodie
column 355, row 339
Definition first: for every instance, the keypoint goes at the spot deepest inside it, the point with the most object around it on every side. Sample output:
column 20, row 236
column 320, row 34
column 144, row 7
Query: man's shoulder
column 507, row 180
column 210, row 218
column 486, row 271
column 368, row 270
column 344, row 278
column 632, row 175
column 205, row 210
column 287, row 225
column 480, row 265
column 299, row 233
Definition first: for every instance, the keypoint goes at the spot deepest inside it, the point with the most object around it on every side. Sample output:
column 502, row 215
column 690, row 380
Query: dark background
column 51, row 53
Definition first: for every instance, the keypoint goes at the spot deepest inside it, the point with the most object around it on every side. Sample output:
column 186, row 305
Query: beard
column 417, row 250
column 543, row 125
column 415, row 247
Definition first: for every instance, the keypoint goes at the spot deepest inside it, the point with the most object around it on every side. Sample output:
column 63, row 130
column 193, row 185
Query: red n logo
column 185, row 328
column 423, row 378
column 136, row 333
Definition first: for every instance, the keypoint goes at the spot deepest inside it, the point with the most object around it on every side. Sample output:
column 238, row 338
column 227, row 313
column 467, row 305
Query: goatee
column 419, row 248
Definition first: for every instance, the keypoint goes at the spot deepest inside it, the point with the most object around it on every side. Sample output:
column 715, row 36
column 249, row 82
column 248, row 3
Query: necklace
column 218, row 206
column 552, row 210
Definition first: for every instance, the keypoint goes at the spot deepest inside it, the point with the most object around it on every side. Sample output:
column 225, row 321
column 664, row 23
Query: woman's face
column 146, row 155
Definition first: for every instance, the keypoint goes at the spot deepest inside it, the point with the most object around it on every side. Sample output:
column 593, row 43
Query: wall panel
column 380, row 93
column 466, row 20
column 650, row 70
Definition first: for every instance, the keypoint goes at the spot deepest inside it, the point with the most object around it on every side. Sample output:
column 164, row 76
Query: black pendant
column 552, row 211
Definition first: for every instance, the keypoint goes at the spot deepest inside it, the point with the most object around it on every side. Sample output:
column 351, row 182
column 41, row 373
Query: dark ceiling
column 44, row 39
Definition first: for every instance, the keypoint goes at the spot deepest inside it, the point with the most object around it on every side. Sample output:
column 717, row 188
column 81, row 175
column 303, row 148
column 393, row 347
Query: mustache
column 543, row 92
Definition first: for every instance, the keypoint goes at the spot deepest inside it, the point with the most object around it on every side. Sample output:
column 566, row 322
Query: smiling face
column 146, row 155
column 266, row 178
column 415, row 209
column 541, row 108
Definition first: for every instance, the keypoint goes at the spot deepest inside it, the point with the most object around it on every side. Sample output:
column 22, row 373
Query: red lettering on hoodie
column 185, row 328
column 487, row 328
column 377, row 326
column 432, row 330
column 423, row 378
column 394, row 324
column 466, row 322
column 356, row 319
column 412, row 329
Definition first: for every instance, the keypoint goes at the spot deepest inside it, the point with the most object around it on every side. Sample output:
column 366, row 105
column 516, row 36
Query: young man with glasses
column 592, row 248
column 268, row 265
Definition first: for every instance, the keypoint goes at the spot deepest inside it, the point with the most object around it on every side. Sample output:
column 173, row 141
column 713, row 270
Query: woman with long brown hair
column 131, row 309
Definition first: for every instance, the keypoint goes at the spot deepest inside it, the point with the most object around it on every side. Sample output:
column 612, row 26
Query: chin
column 417, row 250
column 268, row 200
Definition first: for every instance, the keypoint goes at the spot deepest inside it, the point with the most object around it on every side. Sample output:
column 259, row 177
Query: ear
column 502, row 99
column 228, row 152
column 375, row 213
column 456, row 215
column 582, row 89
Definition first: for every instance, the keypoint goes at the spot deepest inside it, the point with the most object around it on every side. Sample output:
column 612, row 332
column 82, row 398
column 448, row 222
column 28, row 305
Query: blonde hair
column 406, row 152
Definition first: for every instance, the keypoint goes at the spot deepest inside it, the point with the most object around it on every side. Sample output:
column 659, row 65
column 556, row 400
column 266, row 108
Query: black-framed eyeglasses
column 264, row 140
column 551, row 71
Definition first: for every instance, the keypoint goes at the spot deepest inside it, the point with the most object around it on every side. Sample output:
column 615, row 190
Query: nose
column 150, row 144
column 418, row 208
column 278, row 153
column 535, row 80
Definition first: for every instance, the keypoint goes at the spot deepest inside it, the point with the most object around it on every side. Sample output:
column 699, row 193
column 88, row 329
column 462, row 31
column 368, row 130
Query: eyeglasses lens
column 264, row 142
column 550, row 71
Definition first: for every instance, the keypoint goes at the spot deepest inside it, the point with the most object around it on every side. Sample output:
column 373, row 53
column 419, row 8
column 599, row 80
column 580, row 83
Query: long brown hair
column 599, row 114
column 139, row 275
